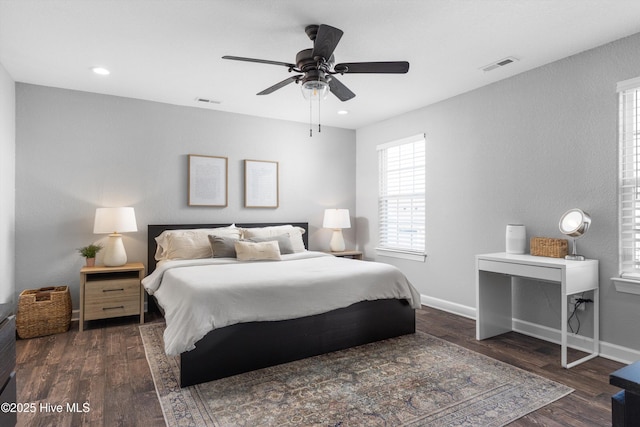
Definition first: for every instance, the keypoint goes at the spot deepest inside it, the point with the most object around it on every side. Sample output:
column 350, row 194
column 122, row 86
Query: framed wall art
column 208, row 180
column 261, row 184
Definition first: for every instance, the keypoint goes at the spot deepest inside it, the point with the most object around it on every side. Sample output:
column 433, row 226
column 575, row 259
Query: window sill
column 628, row 286
column 412, row 256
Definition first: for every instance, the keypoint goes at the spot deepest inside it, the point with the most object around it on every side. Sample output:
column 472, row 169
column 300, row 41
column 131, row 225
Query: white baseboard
column 607, row 350
column 449, row 307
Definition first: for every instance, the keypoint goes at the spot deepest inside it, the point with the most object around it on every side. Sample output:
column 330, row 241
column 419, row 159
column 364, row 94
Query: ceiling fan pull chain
column 310, row 118
column 319, row 129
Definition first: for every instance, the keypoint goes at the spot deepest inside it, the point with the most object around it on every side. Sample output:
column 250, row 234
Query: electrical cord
column 578, row 302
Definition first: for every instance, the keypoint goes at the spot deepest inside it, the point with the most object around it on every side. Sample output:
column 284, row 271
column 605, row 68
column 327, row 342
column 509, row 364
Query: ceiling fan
column 318, row 68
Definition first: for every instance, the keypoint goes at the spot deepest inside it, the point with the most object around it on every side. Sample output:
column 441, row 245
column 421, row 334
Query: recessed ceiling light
column 100, row 70
column 343, row 112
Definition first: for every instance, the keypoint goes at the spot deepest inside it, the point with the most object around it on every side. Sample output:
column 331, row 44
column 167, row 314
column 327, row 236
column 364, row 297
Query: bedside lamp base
column 337, row 241
column 114, row 254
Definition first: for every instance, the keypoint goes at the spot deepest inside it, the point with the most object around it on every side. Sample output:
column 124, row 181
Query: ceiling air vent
column 208, row 101
column 500, row 63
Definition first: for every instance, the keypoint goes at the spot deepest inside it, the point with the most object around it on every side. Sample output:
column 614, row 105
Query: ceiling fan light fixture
column 315, row 89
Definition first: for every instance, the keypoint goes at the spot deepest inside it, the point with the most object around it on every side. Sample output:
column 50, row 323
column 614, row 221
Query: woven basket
column 545, row 246
column 43, row 311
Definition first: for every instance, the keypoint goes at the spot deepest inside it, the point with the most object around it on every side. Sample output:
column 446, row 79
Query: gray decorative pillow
column 223, row 247
column 284, row 242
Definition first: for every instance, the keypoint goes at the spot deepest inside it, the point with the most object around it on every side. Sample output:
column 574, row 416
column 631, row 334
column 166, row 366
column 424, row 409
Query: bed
column 243, row 346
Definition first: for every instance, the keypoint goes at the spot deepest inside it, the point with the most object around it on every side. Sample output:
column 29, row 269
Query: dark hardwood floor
column 105, row 367
column 588, row 405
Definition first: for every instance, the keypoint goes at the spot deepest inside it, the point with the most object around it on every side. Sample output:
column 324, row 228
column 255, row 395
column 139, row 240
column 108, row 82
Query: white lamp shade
column 336, row 219
column 114, row 220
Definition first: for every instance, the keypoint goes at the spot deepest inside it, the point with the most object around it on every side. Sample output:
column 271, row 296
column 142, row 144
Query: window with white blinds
column 401, row 197
column 629, row 179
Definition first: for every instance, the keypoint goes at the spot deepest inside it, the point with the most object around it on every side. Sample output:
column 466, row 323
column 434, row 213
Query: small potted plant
column 89, row 252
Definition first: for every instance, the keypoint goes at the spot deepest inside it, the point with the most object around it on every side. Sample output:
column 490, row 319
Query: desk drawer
column 521, row 270
column 111, row 298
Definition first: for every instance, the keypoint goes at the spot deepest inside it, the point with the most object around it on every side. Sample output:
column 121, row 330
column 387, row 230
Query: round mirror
column 574, row 223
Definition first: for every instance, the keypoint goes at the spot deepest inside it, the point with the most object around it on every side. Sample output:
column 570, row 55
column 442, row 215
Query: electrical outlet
column 573, row 299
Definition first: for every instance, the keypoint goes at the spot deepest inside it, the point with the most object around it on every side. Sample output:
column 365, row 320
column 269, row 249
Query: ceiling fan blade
column 261, row 61
column 326, row 41
column 277, row 86
column 341, row 91
column 385, row 67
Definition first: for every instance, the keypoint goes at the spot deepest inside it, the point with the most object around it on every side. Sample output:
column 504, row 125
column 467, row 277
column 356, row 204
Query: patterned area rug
column 414, row 380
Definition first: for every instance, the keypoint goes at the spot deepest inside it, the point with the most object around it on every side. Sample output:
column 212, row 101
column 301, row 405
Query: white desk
column 493, row 291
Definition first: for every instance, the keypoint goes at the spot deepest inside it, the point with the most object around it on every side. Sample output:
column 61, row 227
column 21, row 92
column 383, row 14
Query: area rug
column 414, row 380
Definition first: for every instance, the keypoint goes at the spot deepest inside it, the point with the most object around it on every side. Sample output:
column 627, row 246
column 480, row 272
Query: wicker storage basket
column 43, row 311
column 545, row 246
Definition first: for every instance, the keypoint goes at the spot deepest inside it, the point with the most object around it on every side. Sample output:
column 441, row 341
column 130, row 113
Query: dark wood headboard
column 154, row 230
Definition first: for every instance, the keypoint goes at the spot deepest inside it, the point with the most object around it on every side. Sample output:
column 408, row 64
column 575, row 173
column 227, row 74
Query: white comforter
column 200, row 295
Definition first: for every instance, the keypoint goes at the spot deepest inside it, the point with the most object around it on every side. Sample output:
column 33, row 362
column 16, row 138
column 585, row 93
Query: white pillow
column 295, row 234
column 252, row 251
column 190, row 244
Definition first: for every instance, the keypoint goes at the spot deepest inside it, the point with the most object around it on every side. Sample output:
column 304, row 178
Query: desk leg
column 596, row 332
column 596, row 321
column 563, row 327
column 493, row 304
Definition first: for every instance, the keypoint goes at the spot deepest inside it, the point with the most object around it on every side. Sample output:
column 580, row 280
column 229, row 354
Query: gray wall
column 77, row 151
column 7, row 186
column 523, row 150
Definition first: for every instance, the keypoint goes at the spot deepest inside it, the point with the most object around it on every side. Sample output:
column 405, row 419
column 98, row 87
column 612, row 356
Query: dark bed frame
column 246, row 347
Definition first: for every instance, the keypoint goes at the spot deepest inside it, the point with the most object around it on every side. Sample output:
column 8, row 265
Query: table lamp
column 574, row 223
column 337, row 219
column 114, row 221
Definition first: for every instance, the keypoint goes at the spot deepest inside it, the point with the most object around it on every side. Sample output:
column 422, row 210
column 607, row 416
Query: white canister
column 516, row 239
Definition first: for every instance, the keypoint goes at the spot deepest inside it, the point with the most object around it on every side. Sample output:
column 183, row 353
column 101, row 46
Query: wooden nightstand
column 348, row 254
column 111, row 292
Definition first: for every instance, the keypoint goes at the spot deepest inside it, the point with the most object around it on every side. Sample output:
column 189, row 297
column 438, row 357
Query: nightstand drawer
column 111, row 298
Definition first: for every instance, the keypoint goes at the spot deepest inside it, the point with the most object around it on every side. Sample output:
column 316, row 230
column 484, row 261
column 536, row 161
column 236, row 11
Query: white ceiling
column 170, row 50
